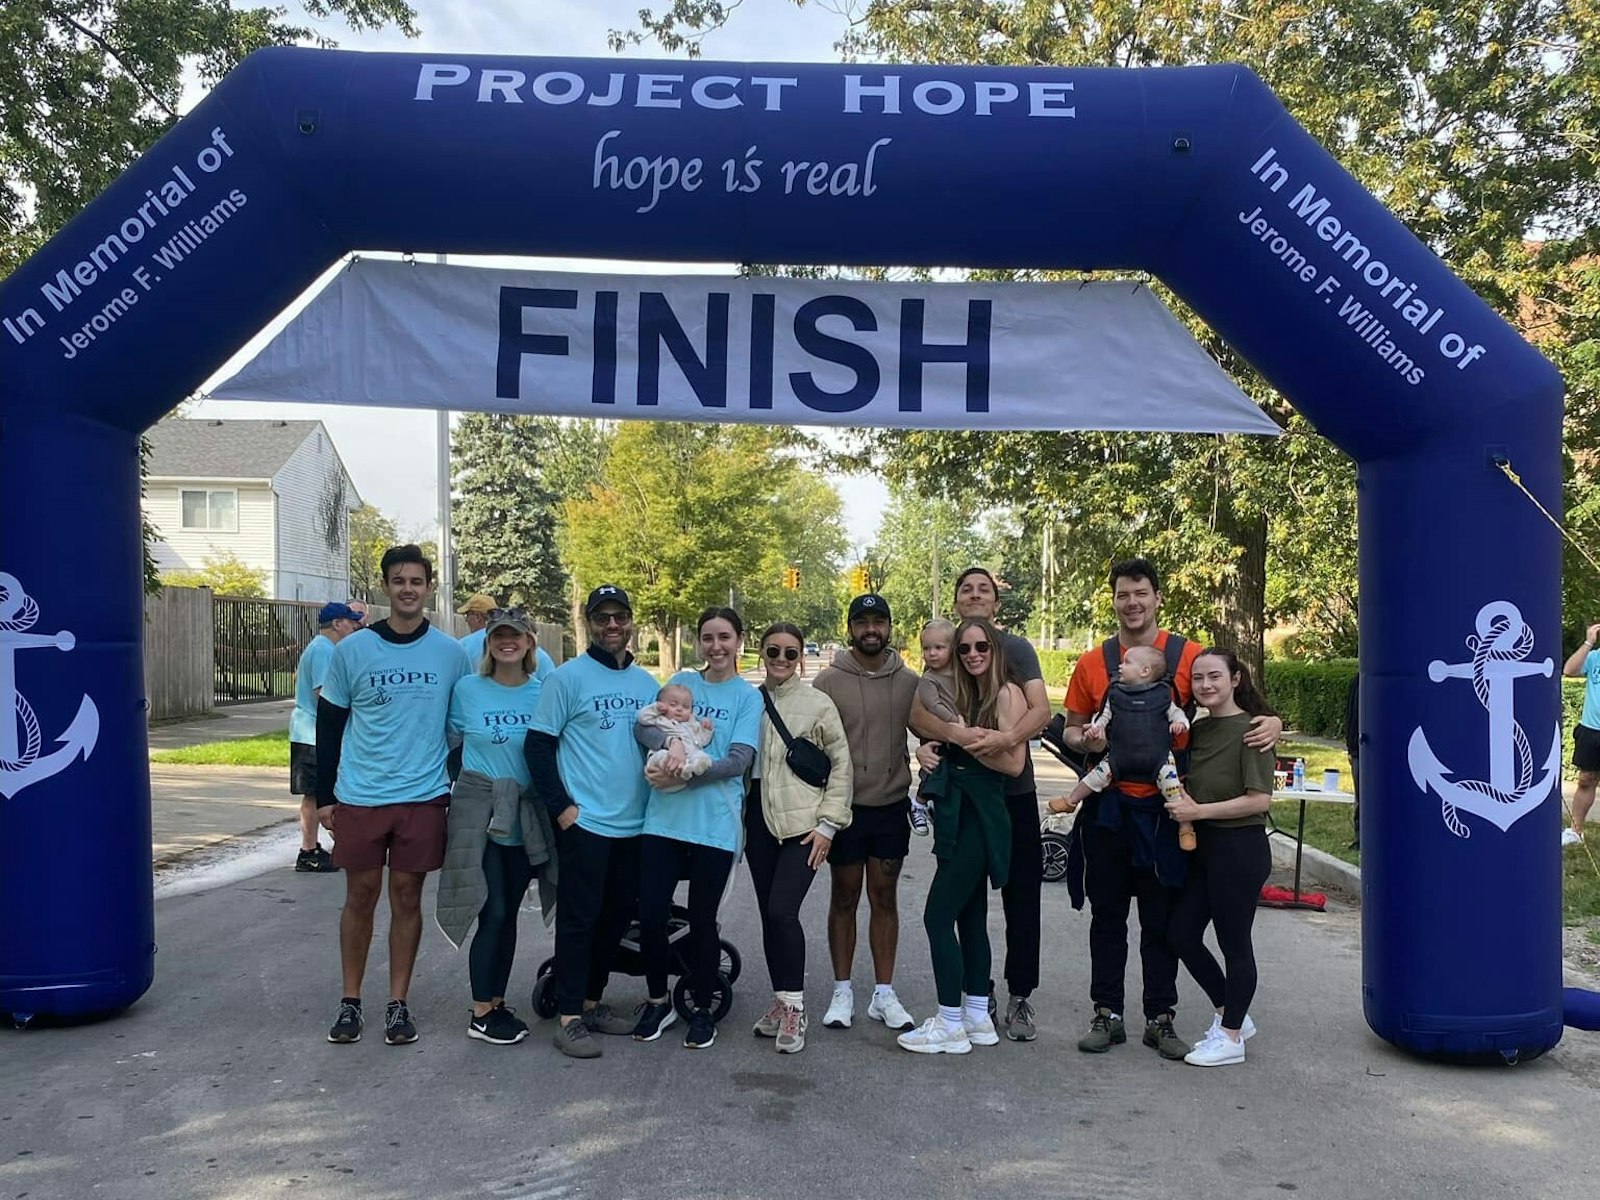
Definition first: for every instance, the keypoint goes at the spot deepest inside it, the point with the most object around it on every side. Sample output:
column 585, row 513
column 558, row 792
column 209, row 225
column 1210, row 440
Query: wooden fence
column 178, row 653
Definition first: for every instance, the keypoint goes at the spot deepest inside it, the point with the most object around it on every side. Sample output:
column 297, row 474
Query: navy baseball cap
column 606, row 591
column 334, row 611
column 870, row 605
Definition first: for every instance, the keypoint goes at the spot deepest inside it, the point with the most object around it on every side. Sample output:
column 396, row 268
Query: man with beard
column 872, row 689
column 589, row 772
column 382, row 788
column 978, row 596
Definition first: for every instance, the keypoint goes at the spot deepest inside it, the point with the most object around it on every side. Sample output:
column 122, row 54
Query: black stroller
column 630, row 961
column 1055, row 830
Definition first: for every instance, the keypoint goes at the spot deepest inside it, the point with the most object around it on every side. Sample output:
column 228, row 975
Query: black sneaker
column 654, row 1020
column 398, row 1028
column 509, row 1015
column 702, row 1030
column 497, row 1027
column 347, row 1025
column 1163, row 1039
column 315, row 861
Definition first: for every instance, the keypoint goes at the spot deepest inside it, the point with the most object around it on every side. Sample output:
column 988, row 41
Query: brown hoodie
column 874, row 706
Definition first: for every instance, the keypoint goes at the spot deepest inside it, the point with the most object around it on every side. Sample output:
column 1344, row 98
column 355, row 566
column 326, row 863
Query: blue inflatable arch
column 1197, row 175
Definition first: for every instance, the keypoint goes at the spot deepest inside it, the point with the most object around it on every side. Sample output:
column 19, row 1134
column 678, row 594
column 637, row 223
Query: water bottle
column 1299, row 774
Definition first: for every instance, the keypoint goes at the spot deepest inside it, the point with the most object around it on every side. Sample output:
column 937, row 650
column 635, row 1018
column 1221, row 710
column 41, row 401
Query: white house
column 274, row 494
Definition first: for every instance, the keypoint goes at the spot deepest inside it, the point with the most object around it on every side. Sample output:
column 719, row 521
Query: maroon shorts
column 408, row 837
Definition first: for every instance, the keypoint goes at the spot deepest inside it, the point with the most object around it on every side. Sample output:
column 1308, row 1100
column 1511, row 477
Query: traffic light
column 791, row 578
column 858, row 580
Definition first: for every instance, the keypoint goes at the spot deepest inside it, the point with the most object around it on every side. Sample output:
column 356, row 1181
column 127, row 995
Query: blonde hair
column 530, row 660
column 941, row 627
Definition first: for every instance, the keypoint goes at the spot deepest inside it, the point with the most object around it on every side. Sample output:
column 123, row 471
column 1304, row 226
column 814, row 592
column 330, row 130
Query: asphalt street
column 219, row 1083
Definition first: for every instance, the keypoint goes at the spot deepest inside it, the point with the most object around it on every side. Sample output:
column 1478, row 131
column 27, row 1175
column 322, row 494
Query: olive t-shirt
column 1222, row 767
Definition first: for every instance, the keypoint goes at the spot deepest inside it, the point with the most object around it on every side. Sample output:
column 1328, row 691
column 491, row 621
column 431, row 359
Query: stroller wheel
column 722, row 999
column 1053, row 847
column 545, row 968
column 731, row 963
column 544, row 995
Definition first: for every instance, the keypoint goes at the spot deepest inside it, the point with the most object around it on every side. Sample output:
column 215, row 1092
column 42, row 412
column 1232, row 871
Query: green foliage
column 86, row 86
column 149, row 535
column 371, row 533
column 912, row 530
column 262, row 750
column 1057, row 665
column 224, row 574
column 504, row 512
column 1311, row 697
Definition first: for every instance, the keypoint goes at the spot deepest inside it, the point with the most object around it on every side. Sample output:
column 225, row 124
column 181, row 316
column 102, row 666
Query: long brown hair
column 978, row 696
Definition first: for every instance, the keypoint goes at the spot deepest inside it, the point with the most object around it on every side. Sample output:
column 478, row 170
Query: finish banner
column 777, row 351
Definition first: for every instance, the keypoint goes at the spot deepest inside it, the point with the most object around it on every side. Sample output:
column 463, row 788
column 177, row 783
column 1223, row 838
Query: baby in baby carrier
column 1140, row 720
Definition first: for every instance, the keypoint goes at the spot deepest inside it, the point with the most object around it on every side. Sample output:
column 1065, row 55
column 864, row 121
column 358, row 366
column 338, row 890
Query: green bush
column 1310, row 696
column 1057, row 666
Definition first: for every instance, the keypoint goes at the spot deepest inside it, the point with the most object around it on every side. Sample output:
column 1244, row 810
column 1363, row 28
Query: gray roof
column 204, row 448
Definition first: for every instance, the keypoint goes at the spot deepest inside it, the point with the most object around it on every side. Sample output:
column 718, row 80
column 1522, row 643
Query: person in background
column 1585, row 664
column 476, row 611
column 334, row 622
column 1352, row 748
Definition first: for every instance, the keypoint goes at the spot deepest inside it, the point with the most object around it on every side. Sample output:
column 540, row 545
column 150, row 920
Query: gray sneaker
column 575, row 1041
column 791, row 1030
column 603, row 1019
column 768, row 1024
column 1160, row 1036
column 1019, row 1020
column 1105, row 1031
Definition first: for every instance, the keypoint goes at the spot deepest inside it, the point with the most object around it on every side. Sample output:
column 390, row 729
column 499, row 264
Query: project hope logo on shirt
column 607, row 706
column 499, row 720
column 387, row 683
column 712, row 712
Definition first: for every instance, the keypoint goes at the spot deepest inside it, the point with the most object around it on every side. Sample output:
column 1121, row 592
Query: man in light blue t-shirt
column 590, row 773
column 1585, row 664
column 382, row 787
column 335, row 621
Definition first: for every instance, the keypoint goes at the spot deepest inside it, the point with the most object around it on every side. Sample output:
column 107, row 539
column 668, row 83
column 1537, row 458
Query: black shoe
column 654, row 1020
column 347, row 1025
column 702, row 1030
column 509, row 1016
column 315, row 861
column 1163, row 1039
column 497, row 1027
column 398, row 1028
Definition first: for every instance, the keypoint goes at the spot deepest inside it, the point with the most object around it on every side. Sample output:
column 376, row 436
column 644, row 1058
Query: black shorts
column 302, row 769
column 877, row 832
column 1585, row 748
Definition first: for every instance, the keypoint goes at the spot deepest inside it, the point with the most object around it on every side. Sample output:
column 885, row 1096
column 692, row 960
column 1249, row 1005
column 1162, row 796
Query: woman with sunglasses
column 499, row 837
column 692, row 828
column 789, row 825
column 971, row 846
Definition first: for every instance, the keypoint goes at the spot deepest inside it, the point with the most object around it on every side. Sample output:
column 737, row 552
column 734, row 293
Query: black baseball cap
column 870, row 605
column 603, row 593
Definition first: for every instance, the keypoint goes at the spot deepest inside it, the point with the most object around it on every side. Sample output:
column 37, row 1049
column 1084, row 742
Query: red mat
column 1273, row 896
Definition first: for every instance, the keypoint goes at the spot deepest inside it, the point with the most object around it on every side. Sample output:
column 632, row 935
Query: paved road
column 225, row 722
column 219, row 1084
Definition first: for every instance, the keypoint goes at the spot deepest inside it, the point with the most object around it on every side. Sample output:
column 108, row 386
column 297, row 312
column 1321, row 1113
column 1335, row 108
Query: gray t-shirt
column 1022, row 661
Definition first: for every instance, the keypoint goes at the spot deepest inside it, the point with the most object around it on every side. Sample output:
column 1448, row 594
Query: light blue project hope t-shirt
column 475, row 642
column 398, row 696
column 710, row 814
column 492, row 721
column 313, row 669
column 1591, row 691
column 591, row 709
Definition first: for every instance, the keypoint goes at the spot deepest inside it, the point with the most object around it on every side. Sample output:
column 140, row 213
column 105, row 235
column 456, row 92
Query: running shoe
column 1161, row 1037
column 347, row 1025
column 497, row 1027
column 653, row 1020
column 398, row 1027
column 841, row 1008
column 1019, row 1020
column 768, row 1024
column 791, row 1030
column 574, row 1040
column 932, row 1037
column 1105, row 1031
column 702, row 1030
column 886, row 1007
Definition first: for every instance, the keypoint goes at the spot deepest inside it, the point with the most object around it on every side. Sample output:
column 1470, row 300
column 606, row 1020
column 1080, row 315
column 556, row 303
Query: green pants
column 957, row 913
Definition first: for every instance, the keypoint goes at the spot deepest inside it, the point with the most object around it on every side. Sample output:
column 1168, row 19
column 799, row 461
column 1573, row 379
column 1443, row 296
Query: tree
column 224, row 574
column 87, row 85
column 371, row 533
column 923, row 543
column 1475, row 124
column 504, row 513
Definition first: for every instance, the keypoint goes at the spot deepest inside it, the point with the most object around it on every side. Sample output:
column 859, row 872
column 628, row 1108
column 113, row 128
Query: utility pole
column 446, row 584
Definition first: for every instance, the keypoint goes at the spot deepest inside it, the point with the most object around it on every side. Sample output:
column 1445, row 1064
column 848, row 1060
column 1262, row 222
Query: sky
column 391, row 454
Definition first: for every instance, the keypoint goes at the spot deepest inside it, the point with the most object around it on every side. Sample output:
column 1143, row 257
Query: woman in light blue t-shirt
column 490, row 711
column 692, row 829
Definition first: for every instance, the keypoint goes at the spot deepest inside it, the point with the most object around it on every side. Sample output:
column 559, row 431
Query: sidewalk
column 192, row 808
column 226, row 723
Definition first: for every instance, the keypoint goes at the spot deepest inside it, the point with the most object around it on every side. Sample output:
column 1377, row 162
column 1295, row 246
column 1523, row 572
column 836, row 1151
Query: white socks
column 881, row 990
column 792, row 999
column 951, row 1017
column 977, row 1008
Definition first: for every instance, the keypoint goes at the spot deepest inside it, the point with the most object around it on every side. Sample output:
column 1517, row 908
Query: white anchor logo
column 1502, row 644
column 20, row 736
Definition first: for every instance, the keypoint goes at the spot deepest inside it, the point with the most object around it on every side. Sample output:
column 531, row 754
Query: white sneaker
column 980, row 1033
column 1220, row 1051
column 931, row 1037
column 841, row 1009
column 886, row 1007
column 1570, row 836
column 1247, row 1031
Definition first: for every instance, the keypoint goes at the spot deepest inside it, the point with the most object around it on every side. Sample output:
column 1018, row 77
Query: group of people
column 609, row 789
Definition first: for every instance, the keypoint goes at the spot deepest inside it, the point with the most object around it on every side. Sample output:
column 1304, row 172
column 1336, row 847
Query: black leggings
column 662, row 862
column 782, row 878
column 507, row 872
column 1226, row 872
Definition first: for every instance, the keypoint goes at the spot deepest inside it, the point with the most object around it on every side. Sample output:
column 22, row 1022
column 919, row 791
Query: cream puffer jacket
column 793, row 808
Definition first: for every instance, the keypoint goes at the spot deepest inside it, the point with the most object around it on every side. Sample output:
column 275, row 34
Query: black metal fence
column 257, row 645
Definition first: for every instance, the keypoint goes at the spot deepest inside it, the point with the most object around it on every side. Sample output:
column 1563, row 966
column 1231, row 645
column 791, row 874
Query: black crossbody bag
column 809, row 762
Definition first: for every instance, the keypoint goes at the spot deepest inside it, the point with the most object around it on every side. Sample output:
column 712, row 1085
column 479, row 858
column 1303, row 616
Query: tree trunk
column 580, row 629
column 1242, row 597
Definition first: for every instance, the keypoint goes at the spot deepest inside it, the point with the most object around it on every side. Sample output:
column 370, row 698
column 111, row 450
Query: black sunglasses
column 973, row 648
column 788, row 652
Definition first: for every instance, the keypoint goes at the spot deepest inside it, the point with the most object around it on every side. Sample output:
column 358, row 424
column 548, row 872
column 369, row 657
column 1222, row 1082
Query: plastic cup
column 1330, row 780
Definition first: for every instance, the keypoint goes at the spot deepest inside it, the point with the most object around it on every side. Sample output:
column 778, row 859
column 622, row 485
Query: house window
column 213, row 510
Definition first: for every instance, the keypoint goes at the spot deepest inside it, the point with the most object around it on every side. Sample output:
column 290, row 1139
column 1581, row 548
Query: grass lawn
column 263, row 750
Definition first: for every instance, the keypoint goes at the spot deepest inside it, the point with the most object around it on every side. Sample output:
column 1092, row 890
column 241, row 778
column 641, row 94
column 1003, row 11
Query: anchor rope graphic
column 27, row 615
column 23, row 760
column 1485, row 649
